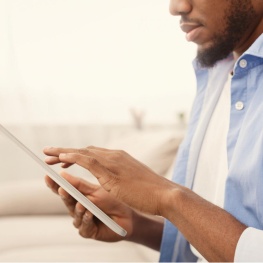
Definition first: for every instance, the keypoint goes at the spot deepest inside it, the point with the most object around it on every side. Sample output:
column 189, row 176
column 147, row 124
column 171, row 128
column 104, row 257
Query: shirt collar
column 256, row 50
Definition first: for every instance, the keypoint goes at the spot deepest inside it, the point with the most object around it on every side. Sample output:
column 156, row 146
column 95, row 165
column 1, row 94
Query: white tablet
column 68, row 187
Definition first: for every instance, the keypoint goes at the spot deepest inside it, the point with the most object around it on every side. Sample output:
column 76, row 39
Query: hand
column 89, row 226
column 119, row 174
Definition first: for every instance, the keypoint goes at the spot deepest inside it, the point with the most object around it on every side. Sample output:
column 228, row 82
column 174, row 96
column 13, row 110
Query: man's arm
column 211, row 230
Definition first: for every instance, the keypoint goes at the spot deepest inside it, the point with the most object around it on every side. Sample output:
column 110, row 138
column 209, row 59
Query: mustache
column 185, row 19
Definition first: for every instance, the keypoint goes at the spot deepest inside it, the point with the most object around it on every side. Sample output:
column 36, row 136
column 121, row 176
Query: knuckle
column 112, row 185
column 69, row 202
column 83, row 233
column 90, row 147
column 121, row 152
column 118, row 154
column 71, row 213
column 75, row 223
column 114, row 167
column 58, row 150
column 92, row 161
column 77, row 214
column 82, row 151
column 87, row 218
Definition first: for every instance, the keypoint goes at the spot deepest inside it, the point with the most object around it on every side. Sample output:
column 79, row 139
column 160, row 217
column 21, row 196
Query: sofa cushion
column 54, row 239
column 155, row 148
column 29, row 197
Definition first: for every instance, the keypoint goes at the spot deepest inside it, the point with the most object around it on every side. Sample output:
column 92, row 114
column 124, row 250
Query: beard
column 237, row 20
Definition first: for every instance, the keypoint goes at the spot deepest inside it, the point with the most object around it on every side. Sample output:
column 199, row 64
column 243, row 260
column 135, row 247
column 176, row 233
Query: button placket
column 239, row 105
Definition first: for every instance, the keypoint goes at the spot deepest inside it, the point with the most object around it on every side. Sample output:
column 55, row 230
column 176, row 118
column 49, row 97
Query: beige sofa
column 34, row 225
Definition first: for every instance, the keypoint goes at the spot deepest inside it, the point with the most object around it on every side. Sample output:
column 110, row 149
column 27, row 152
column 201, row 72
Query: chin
column 204, row 47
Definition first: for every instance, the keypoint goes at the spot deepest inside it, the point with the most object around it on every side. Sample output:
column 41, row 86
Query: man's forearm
column 210, row 229
column 147, row 230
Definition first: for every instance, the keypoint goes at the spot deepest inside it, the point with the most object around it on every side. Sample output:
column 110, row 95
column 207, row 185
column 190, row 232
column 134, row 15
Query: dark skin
column 91, row 227
column 131, row 193
column 117, row 172
column 215, row 18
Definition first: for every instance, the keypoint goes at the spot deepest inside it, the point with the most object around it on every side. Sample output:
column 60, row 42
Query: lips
column 192, row 30
column 187, row 27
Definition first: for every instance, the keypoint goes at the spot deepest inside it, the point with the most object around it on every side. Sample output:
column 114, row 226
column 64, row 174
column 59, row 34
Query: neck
column 248, row 40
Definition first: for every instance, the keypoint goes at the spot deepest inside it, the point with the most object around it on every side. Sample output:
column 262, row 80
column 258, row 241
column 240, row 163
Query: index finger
column 55, row 151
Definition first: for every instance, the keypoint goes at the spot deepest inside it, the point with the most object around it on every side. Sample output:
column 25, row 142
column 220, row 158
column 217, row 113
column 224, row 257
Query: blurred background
column 112, row 73
column 91, row 61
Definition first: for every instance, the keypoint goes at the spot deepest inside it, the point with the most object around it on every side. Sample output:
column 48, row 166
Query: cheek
column 216, row 26
column 214, row 14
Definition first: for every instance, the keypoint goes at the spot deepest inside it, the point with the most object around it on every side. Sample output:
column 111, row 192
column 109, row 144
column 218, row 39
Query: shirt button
column 239, row 105
column 243, row 63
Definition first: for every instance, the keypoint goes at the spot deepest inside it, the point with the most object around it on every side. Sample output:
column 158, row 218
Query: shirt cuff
column 249, row 246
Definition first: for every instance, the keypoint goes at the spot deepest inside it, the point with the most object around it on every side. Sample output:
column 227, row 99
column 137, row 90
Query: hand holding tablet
column 67, row 186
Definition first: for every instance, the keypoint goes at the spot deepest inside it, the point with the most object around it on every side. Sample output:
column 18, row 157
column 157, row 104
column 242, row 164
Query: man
column 221, row 218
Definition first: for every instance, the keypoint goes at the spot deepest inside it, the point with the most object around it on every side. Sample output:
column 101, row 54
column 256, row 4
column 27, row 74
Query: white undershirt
column 211, row 175
column 212, row 167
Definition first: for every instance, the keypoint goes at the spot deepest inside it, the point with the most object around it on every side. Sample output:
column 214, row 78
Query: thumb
column 80, row 184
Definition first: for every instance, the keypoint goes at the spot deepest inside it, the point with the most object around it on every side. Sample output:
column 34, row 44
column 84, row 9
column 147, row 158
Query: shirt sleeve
column 250, row 246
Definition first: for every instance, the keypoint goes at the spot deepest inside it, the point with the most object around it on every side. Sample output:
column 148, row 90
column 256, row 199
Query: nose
column 180, row 7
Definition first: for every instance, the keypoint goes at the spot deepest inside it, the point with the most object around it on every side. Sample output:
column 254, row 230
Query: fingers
column 88, row 228
column 68, row 200
column 51, row 184
column 78, row 215
column 53, row 154
column 103, row 174
column 108, row 158
column 52, row 160
column 83, row 219
column 53, row 151
column 65, row 165
column 83, row 186
column 102, row 163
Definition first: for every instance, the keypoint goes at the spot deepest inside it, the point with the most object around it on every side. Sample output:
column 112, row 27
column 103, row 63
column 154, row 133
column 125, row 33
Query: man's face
column 218, row 27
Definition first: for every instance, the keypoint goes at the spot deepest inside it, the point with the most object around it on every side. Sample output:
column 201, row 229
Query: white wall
column 91, row 61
